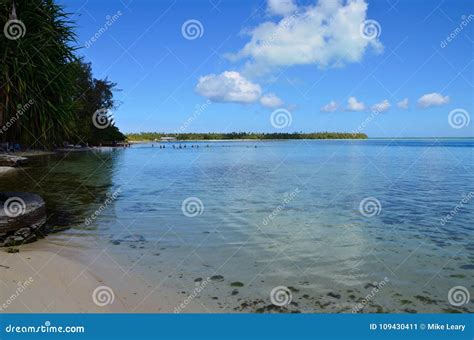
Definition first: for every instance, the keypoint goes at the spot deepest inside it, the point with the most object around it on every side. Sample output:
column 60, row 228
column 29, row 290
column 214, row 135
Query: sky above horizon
column 388, row 68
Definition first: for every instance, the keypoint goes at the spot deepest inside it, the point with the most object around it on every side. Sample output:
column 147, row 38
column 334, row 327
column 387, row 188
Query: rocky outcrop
column 22, row 218
column 10, row 160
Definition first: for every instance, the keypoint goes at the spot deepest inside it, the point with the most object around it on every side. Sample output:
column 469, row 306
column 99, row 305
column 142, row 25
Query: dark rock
column 22, row 217
column 217, row 278
column 23, row 232
column 237, row 284
column 235, row 292
column 12, row 250
column 199, row 279
column 13, row 241
column 10, row 160
column 334, row 295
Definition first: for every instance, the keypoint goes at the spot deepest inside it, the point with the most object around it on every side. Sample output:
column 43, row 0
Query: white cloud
column 432, row 99
column 403, row 104
column 271, row 100
column 324, row 34
column 381, row 107
column 354, row 105
column 330, row 107
column 281, row 7
column 229, row 86
column 232, row 87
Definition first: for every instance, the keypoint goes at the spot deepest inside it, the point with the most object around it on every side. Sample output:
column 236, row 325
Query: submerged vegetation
column 47, row 93
column 150, row 136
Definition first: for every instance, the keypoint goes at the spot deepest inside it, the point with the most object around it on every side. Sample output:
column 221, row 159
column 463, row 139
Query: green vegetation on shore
column 47, row 93
column 150, row 136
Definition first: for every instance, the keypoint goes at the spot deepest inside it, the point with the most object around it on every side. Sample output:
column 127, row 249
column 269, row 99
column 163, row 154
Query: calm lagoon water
column 276, row 213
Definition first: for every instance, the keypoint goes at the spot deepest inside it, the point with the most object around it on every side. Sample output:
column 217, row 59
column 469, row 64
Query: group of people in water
column 180, row 146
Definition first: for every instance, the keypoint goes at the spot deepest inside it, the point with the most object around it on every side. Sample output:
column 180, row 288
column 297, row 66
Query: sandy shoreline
column 53, row 276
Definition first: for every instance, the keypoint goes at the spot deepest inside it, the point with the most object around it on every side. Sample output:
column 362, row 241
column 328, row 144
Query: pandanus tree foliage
column 94, row 95
column 37, row 72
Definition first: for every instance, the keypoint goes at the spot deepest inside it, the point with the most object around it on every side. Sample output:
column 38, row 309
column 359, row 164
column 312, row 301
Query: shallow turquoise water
column 277, row 213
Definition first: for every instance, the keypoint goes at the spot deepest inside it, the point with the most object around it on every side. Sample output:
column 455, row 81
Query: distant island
column 156, row 136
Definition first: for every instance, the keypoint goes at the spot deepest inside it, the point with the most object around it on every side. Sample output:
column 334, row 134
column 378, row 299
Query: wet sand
column 50, row 276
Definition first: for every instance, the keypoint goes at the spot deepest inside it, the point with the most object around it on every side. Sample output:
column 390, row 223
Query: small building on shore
column 167, row 139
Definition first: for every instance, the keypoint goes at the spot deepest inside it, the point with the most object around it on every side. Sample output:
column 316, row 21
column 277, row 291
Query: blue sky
column 310, row 60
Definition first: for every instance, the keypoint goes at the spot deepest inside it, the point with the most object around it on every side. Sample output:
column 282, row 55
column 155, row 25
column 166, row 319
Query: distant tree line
column 150, row 136
column 48, row 95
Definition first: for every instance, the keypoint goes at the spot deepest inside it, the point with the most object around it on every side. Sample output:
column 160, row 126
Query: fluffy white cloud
column 381, row 107
column 232, row 87
column 281, row 7
column 354, row 105
column 271, row 100
column 403, row 104
column 229, row 86
column 432, row 99
column 324, row 34
column 330, row 107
